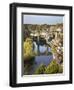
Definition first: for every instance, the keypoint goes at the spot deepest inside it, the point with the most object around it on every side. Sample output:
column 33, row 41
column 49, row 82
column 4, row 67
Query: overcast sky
column 40, row 19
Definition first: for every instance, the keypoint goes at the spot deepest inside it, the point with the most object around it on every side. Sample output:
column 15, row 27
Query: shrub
column 27, row 68
column 52, row 68
column 60, row 69
column 40, row 69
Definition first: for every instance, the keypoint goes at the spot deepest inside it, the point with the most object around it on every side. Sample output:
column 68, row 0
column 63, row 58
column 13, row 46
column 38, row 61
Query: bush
column 40, row 69
column 52, row 68
column 27, row 68
column 60, row 69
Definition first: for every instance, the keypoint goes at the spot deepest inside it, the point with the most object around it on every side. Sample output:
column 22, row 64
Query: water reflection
column 42, row 48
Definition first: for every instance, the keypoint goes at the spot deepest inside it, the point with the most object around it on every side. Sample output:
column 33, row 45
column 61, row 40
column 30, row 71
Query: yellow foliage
column 28, row 47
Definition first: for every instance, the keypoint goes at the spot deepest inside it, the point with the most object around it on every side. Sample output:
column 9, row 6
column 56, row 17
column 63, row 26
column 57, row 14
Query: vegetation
column 40, row 69
column 27, row 68
column 52, row 68
column 28, row 48
column 60, row 69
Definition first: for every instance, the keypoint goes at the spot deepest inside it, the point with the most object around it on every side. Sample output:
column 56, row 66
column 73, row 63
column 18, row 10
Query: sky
column 41, row 19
